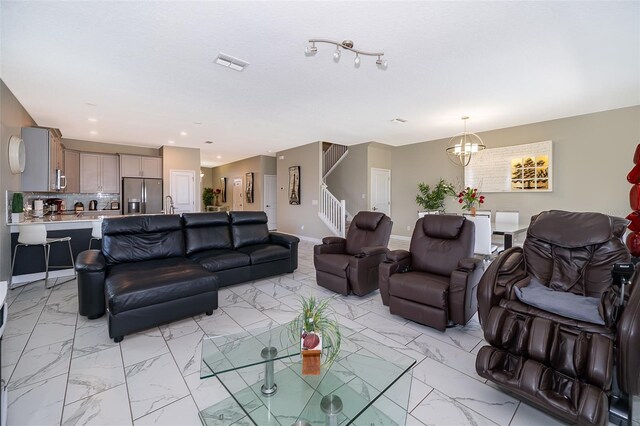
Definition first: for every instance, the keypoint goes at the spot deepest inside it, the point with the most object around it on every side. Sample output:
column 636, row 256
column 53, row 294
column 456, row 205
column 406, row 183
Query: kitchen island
column 30, row 263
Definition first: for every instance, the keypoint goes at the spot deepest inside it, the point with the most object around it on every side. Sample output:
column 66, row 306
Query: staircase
column 332, row 211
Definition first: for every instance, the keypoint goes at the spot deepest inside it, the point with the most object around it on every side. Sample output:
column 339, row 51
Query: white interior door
column 238, row 201
column 270, row 189
column 182, row 187
column 381, row 191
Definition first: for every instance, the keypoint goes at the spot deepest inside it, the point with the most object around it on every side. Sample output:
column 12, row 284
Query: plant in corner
column 17, row 207
column 315, row 318
column 433, row 199
column 207, row 197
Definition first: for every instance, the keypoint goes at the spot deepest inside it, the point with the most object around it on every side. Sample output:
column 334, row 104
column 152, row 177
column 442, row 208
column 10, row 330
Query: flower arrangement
column 470, row 198
column 317, row 318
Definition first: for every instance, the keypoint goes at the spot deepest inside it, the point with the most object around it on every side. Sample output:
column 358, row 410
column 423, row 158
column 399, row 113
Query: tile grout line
column 66, row 388
column 126, row 380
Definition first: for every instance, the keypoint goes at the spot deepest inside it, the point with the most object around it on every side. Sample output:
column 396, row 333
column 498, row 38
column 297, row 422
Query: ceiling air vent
column 209, row 142
column 398, row 120
column 231, row 62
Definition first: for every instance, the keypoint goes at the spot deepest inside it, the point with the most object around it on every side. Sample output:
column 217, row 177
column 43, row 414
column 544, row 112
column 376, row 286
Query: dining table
column 509, row 230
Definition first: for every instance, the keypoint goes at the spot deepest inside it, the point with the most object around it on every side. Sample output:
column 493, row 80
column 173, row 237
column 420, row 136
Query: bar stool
column 35, row 235
column 96, row 232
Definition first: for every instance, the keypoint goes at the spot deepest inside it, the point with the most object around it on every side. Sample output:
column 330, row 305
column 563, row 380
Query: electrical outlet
column 302, row 227
column 408, row 227
column 314, row 202
column 364, row 196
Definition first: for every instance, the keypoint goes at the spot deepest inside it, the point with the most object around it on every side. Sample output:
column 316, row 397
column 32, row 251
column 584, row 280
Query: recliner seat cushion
column 130, row 286
column 263, row 253
column 336, row 264
column 421, row 287
column 221, row 259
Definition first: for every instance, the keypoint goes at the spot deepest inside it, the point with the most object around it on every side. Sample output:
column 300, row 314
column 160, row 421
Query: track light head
column 356, row 61
column 381, row 63
column 311, row 50
column 336, row 54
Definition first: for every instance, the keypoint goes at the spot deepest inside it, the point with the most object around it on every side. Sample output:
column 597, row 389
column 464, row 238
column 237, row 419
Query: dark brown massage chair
column 350, row 265
column 562, row 318
column 435, row 282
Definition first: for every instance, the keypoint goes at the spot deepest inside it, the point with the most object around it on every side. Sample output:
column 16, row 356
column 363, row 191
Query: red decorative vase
column 633, row 244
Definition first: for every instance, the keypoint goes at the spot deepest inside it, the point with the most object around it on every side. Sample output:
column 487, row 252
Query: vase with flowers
column 470, row 199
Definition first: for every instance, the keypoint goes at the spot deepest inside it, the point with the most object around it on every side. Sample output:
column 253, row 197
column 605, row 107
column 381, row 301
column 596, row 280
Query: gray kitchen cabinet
column 140, row 166
column 43, row 152
column 99, row 173
column 72, row 170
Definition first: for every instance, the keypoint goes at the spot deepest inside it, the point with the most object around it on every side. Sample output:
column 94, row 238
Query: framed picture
column 223, row 189
column 294, row 185
column 248, row 190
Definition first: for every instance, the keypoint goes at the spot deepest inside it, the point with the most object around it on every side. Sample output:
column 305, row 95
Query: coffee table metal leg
column 331, row 405
column 269, row 387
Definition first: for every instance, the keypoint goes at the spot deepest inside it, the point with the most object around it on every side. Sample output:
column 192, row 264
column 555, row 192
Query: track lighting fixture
column 347, row 45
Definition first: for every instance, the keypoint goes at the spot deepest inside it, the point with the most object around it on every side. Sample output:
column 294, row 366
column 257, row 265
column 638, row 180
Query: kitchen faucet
column 171, row 209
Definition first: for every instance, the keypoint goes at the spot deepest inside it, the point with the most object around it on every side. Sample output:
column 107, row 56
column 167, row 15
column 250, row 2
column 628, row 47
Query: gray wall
column 349, row 180
column 301, row 219
column 592, row 155
column 260, row 165
column 13, row 117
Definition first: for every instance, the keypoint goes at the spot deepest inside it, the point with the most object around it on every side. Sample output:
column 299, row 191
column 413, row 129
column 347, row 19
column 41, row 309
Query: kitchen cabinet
column 72, row 170
column 43, row 153
column 140, row 166
column 99, row 173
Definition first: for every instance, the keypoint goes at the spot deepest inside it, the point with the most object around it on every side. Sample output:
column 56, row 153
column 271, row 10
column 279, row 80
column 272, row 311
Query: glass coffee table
column 367, row 384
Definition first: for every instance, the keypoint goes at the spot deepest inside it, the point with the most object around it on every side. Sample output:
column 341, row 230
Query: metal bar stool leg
column 13, row 263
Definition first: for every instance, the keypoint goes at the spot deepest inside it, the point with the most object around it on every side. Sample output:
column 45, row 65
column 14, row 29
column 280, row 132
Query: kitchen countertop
column 63, row 221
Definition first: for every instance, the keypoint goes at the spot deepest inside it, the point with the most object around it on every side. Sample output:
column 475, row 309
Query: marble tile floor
column 63, row 369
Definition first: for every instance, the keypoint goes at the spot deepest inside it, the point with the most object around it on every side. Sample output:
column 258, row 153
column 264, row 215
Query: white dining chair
column 507, row 217
column 36, row 235
column 96, row 232
column 482, row 246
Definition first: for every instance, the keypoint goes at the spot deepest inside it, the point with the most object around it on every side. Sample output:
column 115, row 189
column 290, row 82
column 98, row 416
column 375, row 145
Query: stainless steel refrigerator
column 147, row 191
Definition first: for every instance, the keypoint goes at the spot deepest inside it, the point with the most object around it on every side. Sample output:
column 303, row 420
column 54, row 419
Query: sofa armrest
column 463, row 303
column 91, row 261
column 507, row 269
column 363, row 270
column 283, row 239
column 336, row 247
column 91, row 267
column 397, row 260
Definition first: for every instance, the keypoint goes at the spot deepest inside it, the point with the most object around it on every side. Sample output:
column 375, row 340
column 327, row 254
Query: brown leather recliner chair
column 350, row 264
column 435, row 282
column 550, row 311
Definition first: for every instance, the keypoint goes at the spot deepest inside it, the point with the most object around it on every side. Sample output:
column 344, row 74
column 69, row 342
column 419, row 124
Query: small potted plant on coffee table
column 318, row 331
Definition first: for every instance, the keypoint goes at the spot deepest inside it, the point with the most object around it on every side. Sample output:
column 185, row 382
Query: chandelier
column 463, row 145
column 346, row 45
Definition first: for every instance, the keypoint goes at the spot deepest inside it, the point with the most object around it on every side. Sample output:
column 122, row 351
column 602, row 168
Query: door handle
column 268, row 205
column 374, row 209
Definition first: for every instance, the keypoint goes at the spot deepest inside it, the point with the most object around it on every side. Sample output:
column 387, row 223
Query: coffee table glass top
column 349, row 391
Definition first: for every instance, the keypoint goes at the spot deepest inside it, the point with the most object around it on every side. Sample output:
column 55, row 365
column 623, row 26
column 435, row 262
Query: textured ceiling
column 148, row 68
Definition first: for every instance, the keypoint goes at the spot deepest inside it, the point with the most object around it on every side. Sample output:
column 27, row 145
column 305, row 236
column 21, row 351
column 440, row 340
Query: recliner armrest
column 368, row 251
column 468, row 264
column 283, row 239
column 91, row 261
column 334, row 240
column 398, row 255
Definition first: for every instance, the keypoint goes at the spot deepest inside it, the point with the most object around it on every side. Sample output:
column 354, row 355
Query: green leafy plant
column 207, row 196
column 17, row 203
column 318, row 317
column 433, row 199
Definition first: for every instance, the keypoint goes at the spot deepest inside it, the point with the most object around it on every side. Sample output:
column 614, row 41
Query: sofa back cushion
column 368, row 229
column 206, row 231
column 139, row 238
column 439, row 242
column 248, row 228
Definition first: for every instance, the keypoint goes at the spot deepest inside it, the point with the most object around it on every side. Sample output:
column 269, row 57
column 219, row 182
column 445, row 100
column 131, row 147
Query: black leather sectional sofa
column 156, row 269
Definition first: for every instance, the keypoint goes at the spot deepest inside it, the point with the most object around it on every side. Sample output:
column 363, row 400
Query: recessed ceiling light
column 171, row 142
column 218, row 156
column 269, row 150
column 93, row 120
column 231, row 62
column 399, row 120
column 93, row 132
column 183, row 133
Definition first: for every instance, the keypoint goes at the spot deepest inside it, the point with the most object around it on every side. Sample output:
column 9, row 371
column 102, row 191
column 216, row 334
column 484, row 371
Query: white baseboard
column 20, row 280
column 400, row 237
column 310, row 239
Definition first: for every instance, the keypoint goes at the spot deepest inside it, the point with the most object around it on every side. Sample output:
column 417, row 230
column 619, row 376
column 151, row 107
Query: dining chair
column 507, row 216
column 483, row 245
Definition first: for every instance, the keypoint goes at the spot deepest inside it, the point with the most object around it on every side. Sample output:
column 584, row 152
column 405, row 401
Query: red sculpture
column 633, row 239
